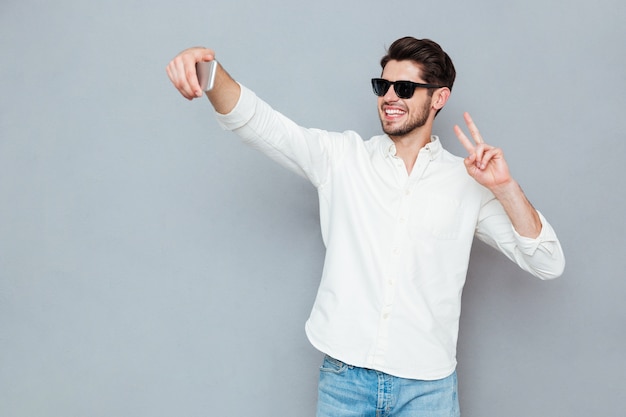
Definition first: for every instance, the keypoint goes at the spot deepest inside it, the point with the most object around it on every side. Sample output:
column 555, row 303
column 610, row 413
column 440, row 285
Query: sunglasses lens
column 380, row 86
column 403, row 89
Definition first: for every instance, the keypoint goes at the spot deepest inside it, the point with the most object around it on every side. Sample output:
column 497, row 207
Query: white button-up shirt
column 397, row 245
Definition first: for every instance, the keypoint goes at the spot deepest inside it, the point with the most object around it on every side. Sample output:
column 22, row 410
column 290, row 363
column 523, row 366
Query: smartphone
column 206, row 74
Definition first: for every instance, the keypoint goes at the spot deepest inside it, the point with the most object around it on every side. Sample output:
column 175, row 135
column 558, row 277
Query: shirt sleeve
column 241, row 113
column 305, row 151
column 542, row 256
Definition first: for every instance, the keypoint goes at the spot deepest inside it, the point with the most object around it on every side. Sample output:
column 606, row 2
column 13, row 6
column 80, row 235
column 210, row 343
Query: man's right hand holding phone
column 224, row 92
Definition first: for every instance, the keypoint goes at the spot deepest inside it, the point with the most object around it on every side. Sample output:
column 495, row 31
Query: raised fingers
column 478, row 150
column 467, row 144
column 473, row 128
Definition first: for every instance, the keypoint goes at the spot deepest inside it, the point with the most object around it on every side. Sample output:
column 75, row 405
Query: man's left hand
column 485, row 163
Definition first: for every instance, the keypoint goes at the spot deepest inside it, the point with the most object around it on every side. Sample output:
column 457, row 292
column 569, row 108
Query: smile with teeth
column 393, row 112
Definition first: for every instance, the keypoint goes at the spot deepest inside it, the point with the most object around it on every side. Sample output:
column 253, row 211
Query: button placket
column 395, row 257
column 390, row 286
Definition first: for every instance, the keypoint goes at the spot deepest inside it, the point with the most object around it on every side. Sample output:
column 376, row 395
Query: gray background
column 151, row 265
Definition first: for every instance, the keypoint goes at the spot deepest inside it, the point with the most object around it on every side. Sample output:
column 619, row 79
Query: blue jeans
column 349, row 391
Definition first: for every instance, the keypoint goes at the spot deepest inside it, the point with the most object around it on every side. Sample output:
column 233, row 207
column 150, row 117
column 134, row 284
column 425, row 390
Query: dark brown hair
column 436, row 65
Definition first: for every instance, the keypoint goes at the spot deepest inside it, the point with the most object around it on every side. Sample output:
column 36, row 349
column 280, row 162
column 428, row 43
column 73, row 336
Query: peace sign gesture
column 485, row 163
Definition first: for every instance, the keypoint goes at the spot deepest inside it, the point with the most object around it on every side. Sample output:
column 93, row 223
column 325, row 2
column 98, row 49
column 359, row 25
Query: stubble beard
column 410, row 125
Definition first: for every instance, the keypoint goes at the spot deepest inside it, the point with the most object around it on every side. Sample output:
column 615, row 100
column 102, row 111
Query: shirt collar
column 433, row 148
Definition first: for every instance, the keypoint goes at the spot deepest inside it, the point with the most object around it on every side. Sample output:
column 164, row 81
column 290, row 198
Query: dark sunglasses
column 403, row 89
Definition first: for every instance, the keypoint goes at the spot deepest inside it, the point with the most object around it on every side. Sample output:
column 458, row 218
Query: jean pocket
column 333, row 365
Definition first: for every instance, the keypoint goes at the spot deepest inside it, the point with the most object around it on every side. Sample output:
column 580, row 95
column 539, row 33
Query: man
column 398, row 215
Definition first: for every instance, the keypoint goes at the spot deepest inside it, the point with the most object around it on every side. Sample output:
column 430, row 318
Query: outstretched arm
column 486, row 164
column 182, row 72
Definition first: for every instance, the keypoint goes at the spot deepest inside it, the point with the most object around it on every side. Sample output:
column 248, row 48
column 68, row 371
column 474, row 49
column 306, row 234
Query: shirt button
column 407, row 192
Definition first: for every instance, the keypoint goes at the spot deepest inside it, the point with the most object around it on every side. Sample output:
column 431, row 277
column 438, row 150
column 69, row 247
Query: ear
column 440, row 98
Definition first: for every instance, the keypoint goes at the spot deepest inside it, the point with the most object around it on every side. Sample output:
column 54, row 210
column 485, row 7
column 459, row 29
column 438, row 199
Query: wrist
column 507, row 189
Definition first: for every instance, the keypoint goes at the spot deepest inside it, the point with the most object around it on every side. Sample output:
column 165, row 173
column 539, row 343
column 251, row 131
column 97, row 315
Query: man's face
column 399, row 117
